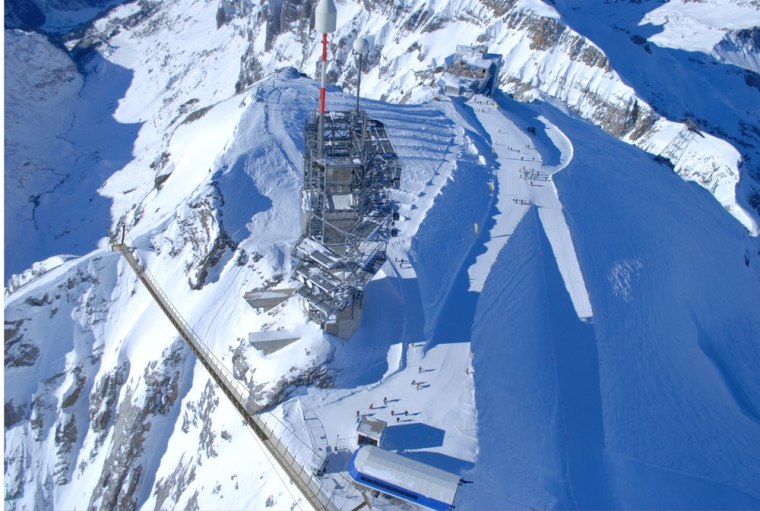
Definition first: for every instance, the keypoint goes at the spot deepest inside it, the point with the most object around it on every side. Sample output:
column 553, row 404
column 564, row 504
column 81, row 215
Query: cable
column 268, row 456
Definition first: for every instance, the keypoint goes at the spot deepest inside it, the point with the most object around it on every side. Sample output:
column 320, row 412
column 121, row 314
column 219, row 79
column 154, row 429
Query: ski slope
column 571, row 413
column 626, row 412
column 525, row 179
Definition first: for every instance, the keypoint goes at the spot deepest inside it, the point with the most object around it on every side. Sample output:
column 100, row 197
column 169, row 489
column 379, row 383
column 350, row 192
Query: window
column 389, row 487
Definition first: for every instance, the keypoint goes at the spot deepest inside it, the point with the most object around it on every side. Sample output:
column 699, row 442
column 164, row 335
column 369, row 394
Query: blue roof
column 404, row 478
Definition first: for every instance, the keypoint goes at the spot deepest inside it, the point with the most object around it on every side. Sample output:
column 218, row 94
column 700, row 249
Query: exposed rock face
column 205, row 231
column 65, row 437
column 239, row 363
column 173, row 487
column 207, row 404
column 741, row 48
column 317, row 376
column 15, row 413
column 123, row 468
column 72, row 394
column 250, row 68
column 499, row 7
column 103, row 400
column 197, row 415
column 20, row 354
column 292, row 17
column 51, row 409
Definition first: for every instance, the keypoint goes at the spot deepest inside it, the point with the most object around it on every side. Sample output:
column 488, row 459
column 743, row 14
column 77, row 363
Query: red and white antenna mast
column 360, row 48
column 325, row 21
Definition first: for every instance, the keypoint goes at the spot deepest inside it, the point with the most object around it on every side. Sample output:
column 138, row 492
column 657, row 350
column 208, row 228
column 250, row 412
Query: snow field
column 657, row 341
column 556, row 422
column 433, row 422
column 700, row 26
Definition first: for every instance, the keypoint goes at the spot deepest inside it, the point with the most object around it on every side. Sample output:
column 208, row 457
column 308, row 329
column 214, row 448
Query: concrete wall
column 267, row 299
column 347, row 322
column 269, row 342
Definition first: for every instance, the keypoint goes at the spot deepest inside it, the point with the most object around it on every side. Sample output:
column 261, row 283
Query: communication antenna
column 325, row 21
column 360, row 48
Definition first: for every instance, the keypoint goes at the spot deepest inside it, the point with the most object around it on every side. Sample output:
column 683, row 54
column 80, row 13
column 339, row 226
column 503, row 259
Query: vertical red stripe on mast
column 324, row 64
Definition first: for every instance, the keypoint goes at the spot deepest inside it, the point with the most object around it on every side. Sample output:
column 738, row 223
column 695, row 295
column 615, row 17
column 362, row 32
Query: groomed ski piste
column 538, row 329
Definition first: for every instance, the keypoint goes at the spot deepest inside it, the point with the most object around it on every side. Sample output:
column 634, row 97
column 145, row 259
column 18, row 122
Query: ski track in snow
column 524, row 179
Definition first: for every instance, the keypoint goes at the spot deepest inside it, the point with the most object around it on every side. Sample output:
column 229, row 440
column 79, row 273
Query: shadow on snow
column 72, row 217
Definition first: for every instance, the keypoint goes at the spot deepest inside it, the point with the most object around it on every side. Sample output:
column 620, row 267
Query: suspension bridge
column 311, row 487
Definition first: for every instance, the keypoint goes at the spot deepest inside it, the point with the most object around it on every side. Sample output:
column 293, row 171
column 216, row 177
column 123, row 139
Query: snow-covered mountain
column 726, row 30
column 592, row 342
column 631, row 88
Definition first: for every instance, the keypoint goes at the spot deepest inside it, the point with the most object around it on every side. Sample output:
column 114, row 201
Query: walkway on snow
column 524, row 180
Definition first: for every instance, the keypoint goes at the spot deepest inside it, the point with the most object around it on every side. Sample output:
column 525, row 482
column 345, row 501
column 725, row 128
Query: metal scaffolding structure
column 348, row 216
column 677, row 147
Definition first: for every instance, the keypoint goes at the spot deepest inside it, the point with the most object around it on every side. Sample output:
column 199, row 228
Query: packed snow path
column 524, row 179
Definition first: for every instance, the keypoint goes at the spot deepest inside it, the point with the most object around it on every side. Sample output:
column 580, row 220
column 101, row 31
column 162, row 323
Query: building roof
column 266, row 294
column 406, row 473
column 452, row 80
column 342, row 201
column 480, row 63
column 371, row 427
column 273, row 335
